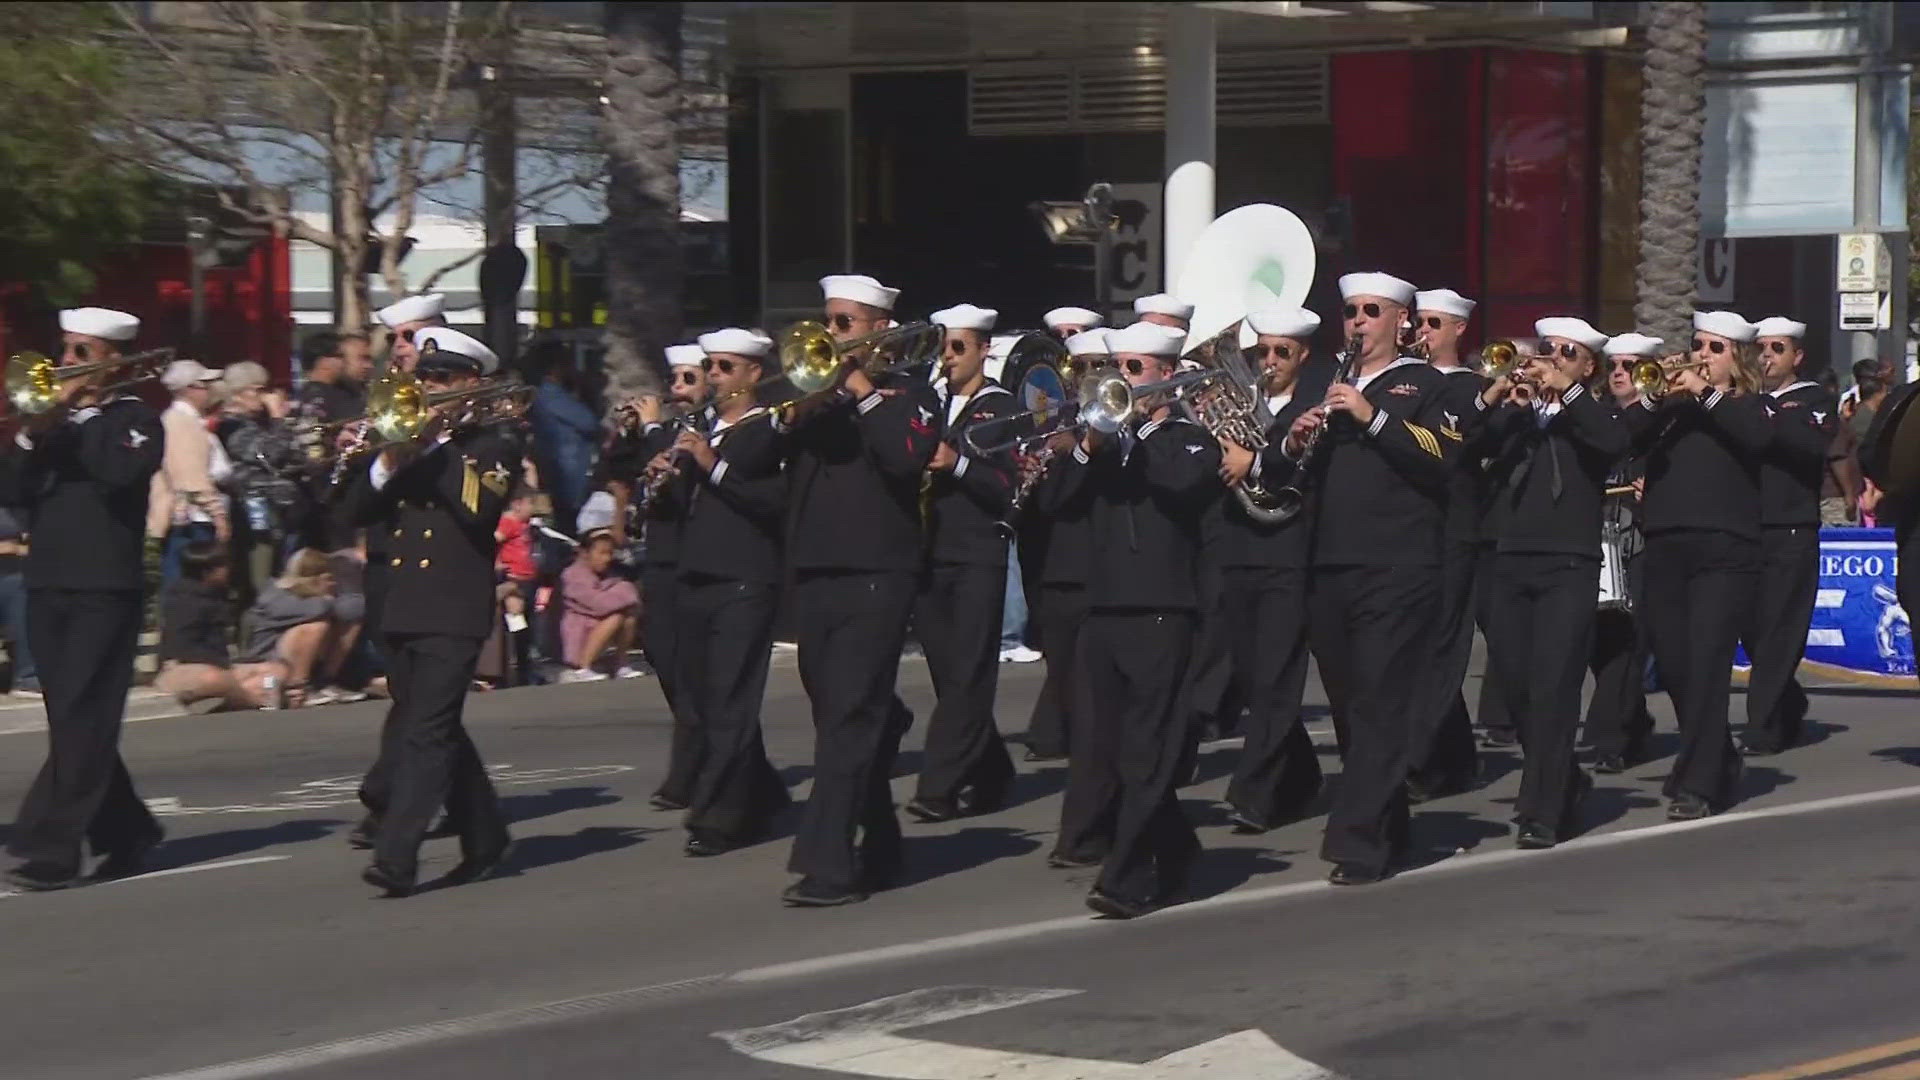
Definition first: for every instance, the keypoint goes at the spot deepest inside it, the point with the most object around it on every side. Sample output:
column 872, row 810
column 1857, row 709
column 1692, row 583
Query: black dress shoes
column 1610, row 764
column 1688, row 807
column 933, row 810
column 810, row 893
column 478, row 867
column 1035, row 754
column 1758, row 748
column 1060, row 861
column 705, row 843
column 1355, row 874
column 41, row 877
column 1535, row 837
column 1499, row 737
column 1114, row 907
column 1246, row 824
column 126, row 863
column 660, row 801
column 364, row 834
column 387, row 881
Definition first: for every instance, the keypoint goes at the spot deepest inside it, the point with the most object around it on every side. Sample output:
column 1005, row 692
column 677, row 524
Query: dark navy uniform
column 84, row 482
column 659, row 630
column 1546, row 574
column 1702, row 526
column 853, row 545
column 438, row 509
column 965, row 767
column 724, row 596
column 1375, row 507
column 1146, row 493
column 1805, row 417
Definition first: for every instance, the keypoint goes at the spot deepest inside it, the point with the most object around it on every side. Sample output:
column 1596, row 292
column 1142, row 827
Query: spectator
column 302, row 621
column 1871, row 380
column 601, row 614
column 519, row 575
column 185, row 505
column 356, row 373
column 13, row 601
column 327, row 396
column 196, row 629
column 268, row 500
column 565, row 431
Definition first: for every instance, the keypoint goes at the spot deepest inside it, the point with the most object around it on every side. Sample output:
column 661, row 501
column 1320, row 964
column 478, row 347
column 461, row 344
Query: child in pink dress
column 601, row 613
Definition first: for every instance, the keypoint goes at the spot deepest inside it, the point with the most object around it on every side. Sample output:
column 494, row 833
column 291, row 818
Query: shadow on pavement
column 1905, row 755
column 534, row 852
column 212, row 847
column 1496, row 764
column 1223, row 869
column 1438, row 834
column 1606, row 805
column 1758, row 780
column 929, row 857
column 556, row 801
column 1819, row 731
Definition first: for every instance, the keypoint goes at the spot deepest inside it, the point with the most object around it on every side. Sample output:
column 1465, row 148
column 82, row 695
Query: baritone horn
column 33, row 380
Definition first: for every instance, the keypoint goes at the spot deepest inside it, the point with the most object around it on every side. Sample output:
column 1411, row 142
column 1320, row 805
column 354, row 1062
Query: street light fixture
column 1088, row 221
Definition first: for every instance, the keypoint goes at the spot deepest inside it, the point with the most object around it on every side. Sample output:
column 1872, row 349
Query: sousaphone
column 1251, row 257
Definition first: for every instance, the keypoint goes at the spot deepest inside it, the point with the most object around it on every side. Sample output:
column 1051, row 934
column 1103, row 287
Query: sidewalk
column 22, row 714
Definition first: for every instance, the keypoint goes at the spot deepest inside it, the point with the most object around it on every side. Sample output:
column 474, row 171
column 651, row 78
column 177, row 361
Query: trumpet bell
column 809, row 356
column 32, row 387
column 1500, row 358
column 396, row 406
column 1106, row 401
column 1650, row 378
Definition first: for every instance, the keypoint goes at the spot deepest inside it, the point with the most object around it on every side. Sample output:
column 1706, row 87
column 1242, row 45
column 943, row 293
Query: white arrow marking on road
column 860, row 1041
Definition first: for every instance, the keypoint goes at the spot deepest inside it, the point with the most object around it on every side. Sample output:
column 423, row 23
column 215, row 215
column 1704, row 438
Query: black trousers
column 725, row 633
column 1543, row 626
column 1369, row 627
column 1209, row 693
column 84, row 640
column 1278, row 774
column 1137, row 665
column 1700, row 589
column 1058, row 612
column 851, row 627
column 1776, row 635
column 431, row 761
column 659, row 639
column 956, row 616
column 1442, row 753
column 1618, row 723
column 1491, row 711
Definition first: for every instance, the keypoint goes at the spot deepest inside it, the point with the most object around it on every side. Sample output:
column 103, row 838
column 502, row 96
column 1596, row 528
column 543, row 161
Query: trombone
column 33, row 380
column 400, row 410
column 813, row 360
column 1106, row 402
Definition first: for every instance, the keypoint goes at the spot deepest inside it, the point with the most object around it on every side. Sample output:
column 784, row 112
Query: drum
column 1614, row 595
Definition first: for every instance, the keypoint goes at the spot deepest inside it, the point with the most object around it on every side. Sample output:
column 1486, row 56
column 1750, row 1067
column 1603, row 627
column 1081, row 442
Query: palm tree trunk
column 643, row 259
column 1672, row 116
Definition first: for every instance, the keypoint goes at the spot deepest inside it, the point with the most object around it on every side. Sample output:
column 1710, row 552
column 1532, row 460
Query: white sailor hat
column 1148, row 339
column 1072, row 316
column 736, row 342
column 412, row 309
column 104, row 323
column 1163, row 304
column 860, row 289
column 1090, row 343
column 1293, row 322
column 966, row 317
column 1374, row 283
column 1445, row 301
column 443, row 347
column 1727, row 324
column 686, row 356
column 1632, row 345
column 1779, row 326
column 1578, row 331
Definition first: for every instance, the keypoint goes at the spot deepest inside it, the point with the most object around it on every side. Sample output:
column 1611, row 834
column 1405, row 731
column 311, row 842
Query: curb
column 141, row 705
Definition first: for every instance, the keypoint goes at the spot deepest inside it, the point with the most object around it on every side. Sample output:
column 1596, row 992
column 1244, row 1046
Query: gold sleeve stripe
column 1451, row 433
column 1424, row 437
column 470, row 488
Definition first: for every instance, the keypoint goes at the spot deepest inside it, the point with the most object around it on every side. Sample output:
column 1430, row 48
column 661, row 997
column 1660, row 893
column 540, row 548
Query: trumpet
column 33, row 380
column 1503, row 360
column 400, row 410
column 1654, row 378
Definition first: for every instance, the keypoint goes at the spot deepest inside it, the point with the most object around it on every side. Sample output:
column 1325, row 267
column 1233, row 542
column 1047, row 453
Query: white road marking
column 860, row 1040
column 171, row 871
column 345, row 791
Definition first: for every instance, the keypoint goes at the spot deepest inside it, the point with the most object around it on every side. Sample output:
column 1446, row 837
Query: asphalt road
column 1777, row 935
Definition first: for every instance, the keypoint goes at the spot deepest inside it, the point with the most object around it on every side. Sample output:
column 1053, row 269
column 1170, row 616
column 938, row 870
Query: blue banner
column 1859, row 632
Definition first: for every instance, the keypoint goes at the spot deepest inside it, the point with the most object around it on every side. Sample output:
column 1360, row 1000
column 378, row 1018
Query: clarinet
column 1289, row 500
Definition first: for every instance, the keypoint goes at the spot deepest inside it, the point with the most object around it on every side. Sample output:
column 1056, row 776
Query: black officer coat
column 437, row 513
column 965, row 506
column 730, row 518
column 84, row 485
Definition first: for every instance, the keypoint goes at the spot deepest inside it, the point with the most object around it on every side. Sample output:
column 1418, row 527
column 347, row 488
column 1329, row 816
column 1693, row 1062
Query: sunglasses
column 1779, row 347
column 718, row 363
column 1372, row 310
column 1714, row 347
column 956, row 346
column 842, row 321
column 77, row 349
column 685, row 378
column 1433, row 322
column 1566, row 351
column 1135, row 365
column 406, row 336
column 1261, row 352
column 1623, row 363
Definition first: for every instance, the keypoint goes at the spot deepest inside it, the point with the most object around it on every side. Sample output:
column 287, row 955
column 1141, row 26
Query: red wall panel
column 1539, row 213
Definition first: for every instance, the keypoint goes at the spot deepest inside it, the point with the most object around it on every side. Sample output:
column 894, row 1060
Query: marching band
column 1195, row 518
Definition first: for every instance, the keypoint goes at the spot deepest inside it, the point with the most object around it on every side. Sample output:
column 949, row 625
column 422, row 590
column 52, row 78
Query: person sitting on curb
column 196, row 627
column 302, row 621
column 601, row 613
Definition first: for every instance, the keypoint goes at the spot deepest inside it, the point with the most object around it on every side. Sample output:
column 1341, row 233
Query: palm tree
column 643, row 258
column 1673, row 113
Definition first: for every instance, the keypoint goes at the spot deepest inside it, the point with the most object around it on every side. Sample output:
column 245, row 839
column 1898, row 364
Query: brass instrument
column 1654, row 378
column 1291, row 499
column 813, row 360
column 400, row 410
column 1227, row 407
column 33, row 380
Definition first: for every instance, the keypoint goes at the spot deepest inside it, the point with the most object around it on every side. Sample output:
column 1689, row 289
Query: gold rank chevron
column 1424, row 437
column 469, row 487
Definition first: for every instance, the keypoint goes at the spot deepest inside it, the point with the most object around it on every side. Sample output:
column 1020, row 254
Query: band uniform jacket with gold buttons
column 437, row 514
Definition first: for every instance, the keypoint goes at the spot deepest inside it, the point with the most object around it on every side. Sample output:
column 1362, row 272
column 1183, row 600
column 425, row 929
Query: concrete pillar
column 1188, row 201
column 1865, row 345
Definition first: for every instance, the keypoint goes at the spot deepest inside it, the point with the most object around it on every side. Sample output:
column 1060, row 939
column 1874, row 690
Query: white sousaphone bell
column 1251, row 257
